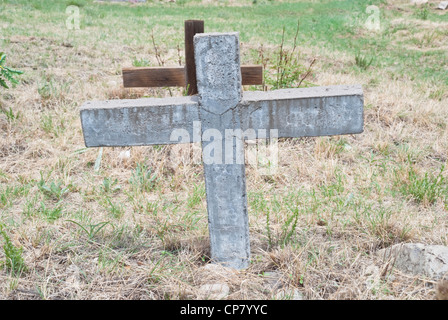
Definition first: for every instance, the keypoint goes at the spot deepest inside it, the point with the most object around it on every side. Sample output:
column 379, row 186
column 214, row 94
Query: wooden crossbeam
column 175, row 76
column 183, row 76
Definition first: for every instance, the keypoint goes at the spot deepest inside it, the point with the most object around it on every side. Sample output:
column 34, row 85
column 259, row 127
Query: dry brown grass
column 156, row 246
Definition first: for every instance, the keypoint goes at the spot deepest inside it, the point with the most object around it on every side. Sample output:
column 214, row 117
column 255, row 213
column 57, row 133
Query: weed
column 268, row 228
column 290, row 224
column 50, row 89
column 109, row 260
column 51, row 214
column 115, row 210
column 55, row 128
column 422, row 13
column 6, row 73
column 29, row 207
column 14, row 261
column 8, row 194
column 362, row 61
column 92, row 230
column 143, row 178
column 47, row 90
column 425, row 189
column 287, row 68
column 141, row 63
column 10, row 115
column 196, row 197
column 438, row 94
column 53, row 190
column 191, row 220
column 78, row 3
column 110, row 186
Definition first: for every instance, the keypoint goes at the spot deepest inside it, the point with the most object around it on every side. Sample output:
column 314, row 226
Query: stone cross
column 226, row 116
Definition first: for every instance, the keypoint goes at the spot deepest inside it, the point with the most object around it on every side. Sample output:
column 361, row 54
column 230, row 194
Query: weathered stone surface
column 418, row 259
column 218, row 76
column 299, row 112
column 137, row 122
column 443, row 5
column 218, row 72
column 318, row 111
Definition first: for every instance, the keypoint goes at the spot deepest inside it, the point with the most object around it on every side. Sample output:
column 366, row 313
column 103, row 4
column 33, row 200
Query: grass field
column 80, row 224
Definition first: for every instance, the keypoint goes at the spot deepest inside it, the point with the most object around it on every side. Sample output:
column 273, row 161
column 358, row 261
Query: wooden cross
column 183, row 76
column 221, row 117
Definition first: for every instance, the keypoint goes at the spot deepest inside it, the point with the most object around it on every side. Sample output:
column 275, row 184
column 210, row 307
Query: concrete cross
column 226, row 116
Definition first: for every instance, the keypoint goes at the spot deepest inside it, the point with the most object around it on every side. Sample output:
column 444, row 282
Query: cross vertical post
column 220, row 91
column 192, row 27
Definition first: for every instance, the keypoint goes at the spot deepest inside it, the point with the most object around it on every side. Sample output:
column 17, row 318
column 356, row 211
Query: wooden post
column 191, row 28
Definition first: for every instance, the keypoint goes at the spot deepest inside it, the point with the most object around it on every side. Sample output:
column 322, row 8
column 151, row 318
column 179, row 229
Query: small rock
column 443, row 5
column 125, row 154
column 214, row 291
column 418, row 259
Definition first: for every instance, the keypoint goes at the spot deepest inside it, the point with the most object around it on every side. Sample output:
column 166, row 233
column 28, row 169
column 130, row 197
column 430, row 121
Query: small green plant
column 290, row 225
column 196, row 197
column 55, row 128
column 53, row 190
column 422, row 13
column 51, row 214
column 425, row 189
column 14, row 261
column 268, row 228
column 143, row 178
column 91, row 230
column 6, row 73
column 362, row 61
column 10, row 115
column 8, row 194
column 116, row 210
column 78, row 3
column 110, row 186
column 286, row 69
column 50, row 89
column 141, row 63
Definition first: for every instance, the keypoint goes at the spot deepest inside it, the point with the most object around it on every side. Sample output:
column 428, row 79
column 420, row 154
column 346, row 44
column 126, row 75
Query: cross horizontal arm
column 305, row 112
column 175, row 76
column 138, row 122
